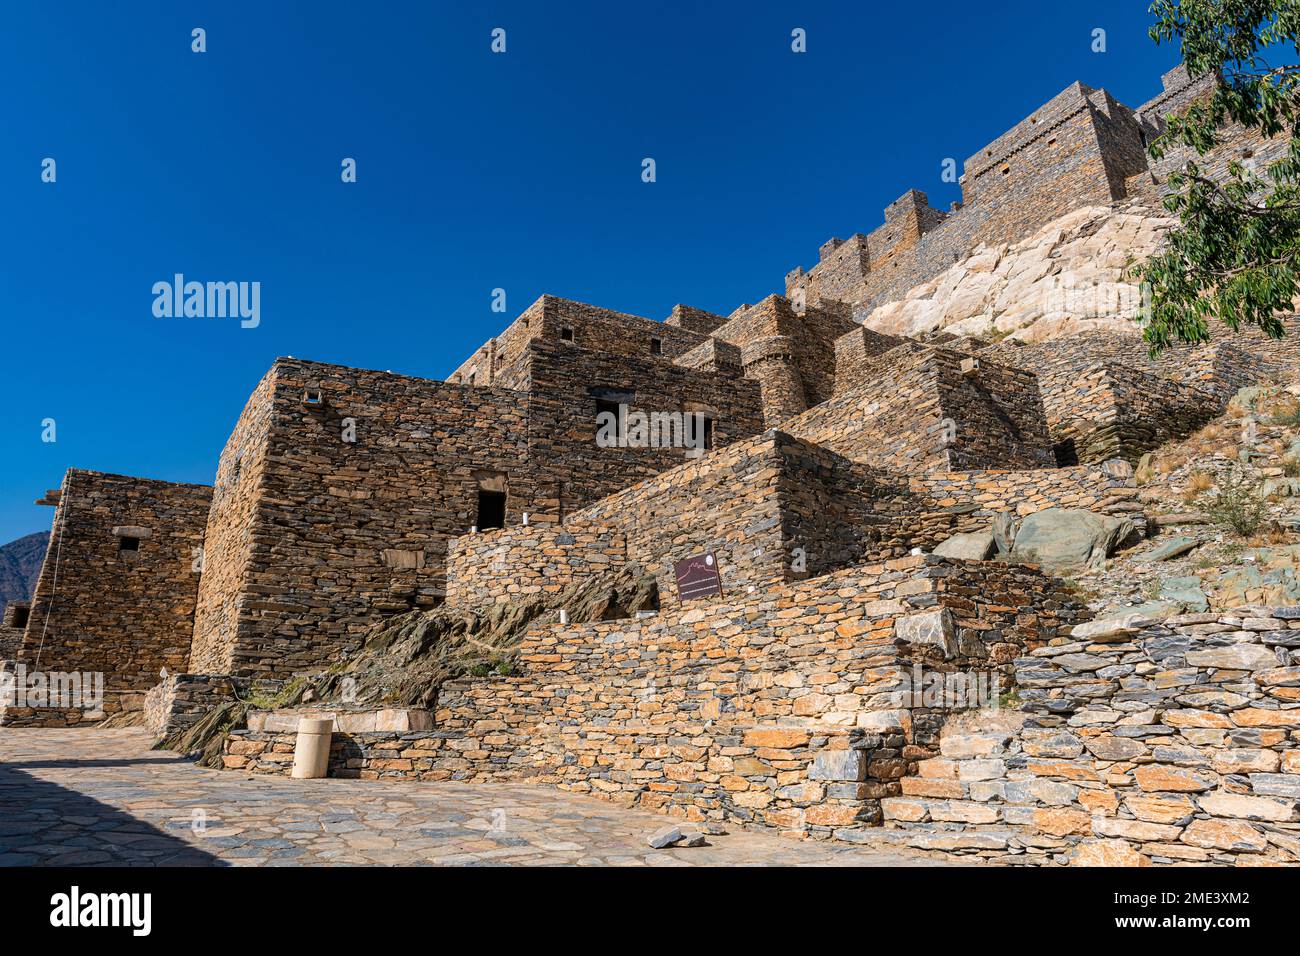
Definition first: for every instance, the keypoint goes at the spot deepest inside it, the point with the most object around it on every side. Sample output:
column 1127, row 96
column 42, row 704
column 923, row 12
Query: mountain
column 20, row 563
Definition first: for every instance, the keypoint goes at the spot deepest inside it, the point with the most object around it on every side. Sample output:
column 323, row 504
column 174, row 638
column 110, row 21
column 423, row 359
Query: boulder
column 1060, row 538
column 968, row 546
column 1004, row 530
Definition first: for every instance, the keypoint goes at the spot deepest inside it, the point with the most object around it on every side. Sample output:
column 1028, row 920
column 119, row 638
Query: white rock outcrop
column 1067, row 278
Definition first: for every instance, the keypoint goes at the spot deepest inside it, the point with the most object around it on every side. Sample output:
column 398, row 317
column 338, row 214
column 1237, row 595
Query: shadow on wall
column 44, row 824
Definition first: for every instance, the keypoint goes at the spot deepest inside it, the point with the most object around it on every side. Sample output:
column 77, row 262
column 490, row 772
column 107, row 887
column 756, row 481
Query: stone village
column 925, row 482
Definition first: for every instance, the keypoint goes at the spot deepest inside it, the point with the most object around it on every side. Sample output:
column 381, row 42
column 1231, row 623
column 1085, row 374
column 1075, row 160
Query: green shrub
column 1236, row 502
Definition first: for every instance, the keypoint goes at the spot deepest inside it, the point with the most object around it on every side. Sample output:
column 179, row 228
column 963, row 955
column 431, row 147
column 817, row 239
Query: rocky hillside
column 1067, row 278
column 20, row 563
column 1225, row 509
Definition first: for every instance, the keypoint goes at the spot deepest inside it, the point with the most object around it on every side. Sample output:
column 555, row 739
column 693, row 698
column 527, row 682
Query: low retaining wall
column 510, row 563
column 981, row 495
column 1177, row 742
column 178, row 701
column 781, row 710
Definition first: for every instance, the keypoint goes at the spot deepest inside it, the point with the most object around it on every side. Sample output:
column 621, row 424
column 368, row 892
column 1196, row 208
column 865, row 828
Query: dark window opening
column 656, row 346
column 125, row 544
column 605, row 405
column 566, row 334
column 1067, row 456
column 708, row 434
column 491, row 509
column 21, row 614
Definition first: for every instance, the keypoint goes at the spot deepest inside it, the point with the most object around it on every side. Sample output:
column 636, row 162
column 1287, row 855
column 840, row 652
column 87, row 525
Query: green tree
column 1235, row 254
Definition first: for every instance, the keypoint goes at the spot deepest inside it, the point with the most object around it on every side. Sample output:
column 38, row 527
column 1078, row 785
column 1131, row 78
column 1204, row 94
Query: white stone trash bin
column 311, row 751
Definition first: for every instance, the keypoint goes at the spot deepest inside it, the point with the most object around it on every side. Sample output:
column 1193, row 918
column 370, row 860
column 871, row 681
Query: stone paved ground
column 102, row 797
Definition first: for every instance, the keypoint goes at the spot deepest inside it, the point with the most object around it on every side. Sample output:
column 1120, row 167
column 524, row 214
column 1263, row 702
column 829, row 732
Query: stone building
column 828, row 457
column 1082, row 147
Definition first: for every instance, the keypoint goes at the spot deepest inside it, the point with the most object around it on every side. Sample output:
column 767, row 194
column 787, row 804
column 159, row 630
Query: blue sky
column 475, row 171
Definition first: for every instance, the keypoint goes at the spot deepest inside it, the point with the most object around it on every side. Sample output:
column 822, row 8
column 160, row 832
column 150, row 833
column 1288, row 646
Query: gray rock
column 1186, row 593
column 839, row 765
column 1004, row 530
column 1059, row 538
column 1171, row 549
column 968, row 546
column 665, row 837
column 930, row 627
column 1241, row 657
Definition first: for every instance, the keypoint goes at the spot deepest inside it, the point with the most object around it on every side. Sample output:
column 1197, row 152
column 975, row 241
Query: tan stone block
column 1225, row 835
column 1060, row 822
column 920, row 787
column 1257, row 717
column 831, row 815
column 1245, row 761
column 1155, row 777
column 778, row 738
column 1160, row 808
column 903, row 809
column 1107, row 853
column 1099, row 801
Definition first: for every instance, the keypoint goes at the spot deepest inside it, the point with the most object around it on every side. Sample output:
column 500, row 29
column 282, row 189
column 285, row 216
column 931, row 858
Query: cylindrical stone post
column 311, row 751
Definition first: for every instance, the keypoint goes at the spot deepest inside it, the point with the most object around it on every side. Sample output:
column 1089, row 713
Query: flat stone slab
column 104, row 798
column 388, row 720
column 1169, row 550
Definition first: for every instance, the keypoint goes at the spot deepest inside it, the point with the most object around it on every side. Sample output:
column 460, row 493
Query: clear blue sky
column 475, row 171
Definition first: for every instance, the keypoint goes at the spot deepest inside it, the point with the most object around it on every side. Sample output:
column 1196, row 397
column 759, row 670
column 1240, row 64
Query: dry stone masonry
column 897, row 456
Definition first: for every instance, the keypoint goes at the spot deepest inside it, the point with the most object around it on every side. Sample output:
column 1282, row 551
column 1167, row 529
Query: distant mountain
column 20, row 564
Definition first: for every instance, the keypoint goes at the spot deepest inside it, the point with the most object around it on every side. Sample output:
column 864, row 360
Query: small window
column 21, row 614
column 605, row 405
column 1006, row 170
column 1052, row 141
column 472, row 376
column 656, row 346
column 491, row 509
column 312, row 396
column 566, row 334
column 128, row 545
column 708, row 434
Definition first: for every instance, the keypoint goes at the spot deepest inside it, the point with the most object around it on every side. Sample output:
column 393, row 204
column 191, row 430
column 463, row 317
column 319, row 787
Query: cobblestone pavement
column 102, row 797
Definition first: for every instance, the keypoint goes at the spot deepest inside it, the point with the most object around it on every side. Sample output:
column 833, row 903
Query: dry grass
column 1285, row 412
column 1198, row 482
column 1270, row 535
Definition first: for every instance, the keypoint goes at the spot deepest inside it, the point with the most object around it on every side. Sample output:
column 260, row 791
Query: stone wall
column 511, row 563
column 116, row 594
column 12, row 625
column 555, row 320
column 780, row 710
column 916, row 410
column 341, row 488
column 1079, row 148
column 179, row 701
column 976, row 497
column 1114, row 411
column 1168, row 742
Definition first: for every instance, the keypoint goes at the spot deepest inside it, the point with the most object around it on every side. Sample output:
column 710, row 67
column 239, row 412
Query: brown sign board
column 697, row 577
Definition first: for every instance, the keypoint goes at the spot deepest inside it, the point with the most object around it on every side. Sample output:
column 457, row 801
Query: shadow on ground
column 44, row 824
